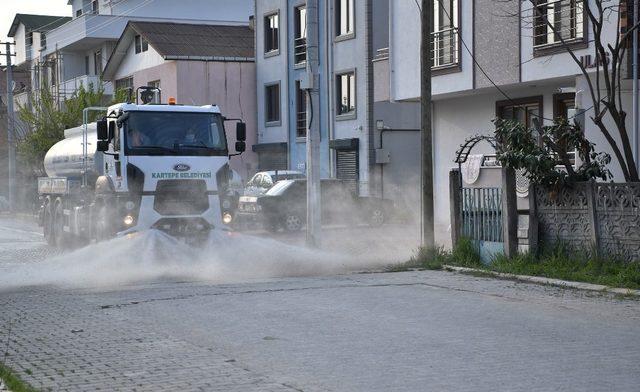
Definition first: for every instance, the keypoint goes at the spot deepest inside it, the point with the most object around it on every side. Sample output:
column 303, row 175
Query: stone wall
column 591, row 216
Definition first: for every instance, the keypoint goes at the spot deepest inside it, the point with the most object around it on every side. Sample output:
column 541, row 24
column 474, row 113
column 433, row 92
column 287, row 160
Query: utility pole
column 11, row 148
column 426, row 53
column 312, row 86
column 635, row 113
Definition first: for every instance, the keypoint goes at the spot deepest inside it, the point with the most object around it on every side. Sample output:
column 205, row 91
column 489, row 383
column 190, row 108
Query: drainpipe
column 330, row 83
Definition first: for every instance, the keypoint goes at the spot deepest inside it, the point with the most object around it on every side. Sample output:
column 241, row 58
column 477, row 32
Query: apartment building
column 76, row 51
column 197, row 64
column 348, row 43
column 491, row 59
column 29, row 33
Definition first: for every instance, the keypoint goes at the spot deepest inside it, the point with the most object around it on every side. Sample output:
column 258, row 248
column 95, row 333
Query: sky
column 8, row 9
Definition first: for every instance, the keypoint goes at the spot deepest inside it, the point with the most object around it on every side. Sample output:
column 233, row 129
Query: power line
column 495, row 85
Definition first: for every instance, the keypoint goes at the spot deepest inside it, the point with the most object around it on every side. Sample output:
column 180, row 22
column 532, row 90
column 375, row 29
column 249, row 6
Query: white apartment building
column 481, row 44
column 76, row 51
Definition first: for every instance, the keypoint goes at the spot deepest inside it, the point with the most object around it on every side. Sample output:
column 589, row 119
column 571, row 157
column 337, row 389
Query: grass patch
column 464, row 255
column 562, row 263
column 13, row 382
column 559, row 262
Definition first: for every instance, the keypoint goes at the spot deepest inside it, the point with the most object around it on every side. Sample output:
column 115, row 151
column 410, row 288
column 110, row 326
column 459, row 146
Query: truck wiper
column 162, row 148
column 194, row 146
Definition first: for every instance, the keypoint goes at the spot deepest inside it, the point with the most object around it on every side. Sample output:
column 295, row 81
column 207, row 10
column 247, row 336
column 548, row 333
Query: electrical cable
column 502, row 92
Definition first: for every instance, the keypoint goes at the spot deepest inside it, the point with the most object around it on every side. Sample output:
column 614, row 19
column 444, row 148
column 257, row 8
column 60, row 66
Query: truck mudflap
column 188, row 229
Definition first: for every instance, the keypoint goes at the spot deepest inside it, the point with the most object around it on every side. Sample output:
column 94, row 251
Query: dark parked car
column 261, row 182
column 284, row 206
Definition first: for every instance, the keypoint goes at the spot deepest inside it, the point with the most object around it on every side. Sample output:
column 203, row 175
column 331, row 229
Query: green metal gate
column 482, row 220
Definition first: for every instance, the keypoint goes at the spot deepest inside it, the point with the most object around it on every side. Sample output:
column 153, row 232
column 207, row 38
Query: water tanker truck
column 142, row 166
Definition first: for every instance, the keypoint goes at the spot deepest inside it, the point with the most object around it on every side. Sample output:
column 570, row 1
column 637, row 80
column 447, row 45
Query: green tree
column 543, row 153
column 47, row 121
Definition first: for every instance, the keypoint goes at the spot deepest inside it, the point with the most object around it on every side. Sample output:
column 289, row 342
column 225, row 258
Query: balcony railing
column 301, row 124
column 557, row 21
column 445, row 48
column 70, row 86
column 300, row 50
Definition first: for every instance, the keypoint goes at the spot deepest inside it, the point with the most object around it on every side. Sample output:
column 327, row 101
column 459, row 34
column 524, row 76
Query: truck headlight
column 128, row 220
column 227, row 218
column 129, row 205
column 226, row 204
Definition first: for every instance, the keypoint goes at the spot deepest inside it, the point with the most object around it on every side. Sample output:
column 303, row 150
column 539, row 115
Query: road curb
column 547, row 281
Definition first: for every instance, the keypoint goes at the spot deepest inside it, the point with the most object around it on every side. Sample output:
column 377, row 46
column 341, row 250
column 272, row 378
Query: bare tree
column 605, row 83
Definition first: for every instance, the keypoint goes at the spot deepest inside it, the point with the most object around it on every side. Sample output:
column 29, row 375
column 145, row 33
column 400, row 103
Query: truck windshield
column 177, row 133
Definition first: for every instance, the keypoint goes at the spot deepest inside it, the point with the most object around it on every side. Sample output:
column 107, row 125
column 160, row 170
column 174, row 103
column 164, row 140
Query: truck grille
column 181, row 197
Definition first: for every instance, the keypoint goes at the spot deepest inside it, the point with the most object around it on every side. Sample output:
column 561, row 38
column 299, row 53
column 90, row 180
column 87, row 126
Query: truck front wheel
column 104, row 227
column 57, row 229
column 47, row 224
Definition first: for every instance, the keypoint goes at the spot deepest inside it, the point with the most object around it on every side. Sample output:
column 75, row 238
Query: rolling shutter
column 271, row 156
column 347, row 161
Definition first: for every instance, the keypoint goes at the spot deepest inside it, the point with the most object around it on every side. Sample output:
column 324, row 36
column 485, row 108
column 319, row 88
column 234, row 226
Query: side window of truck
column 116, row 134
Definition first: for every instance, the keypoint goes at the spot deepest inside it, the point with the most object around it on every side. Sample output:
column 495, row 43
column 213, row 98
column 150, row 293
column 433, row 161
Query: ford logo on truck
column 182, row 167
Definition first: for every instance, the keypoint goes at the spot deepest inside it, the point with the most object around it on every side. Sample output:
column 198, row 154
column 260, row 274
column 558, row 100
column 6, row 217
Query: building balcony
column 20, row 99
column 67, row 88
column 300, row 50
column 84, row 32
column 446, row 48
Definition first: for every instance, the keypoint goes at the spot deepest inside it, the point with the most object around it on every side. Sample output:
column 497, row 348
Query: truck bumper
column 177, row 226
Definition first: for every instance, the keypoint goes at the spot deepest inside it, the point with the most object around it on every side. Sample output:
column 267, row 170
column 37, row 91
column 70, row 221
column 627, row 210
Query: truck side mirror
column 241, row 132
column 103, row 145
column 103, row 133
column 241, row 146
column 112, row 129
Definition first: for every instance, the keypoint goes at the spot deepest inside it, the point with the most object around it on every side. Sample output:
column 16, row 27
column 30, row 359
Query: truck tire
column 47, row 224
column 104, row 226
column 60, row 238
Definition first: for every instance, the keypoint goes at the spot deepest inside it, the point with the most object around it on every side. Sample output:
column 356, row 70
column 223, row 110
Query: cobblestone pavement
column 413, row 331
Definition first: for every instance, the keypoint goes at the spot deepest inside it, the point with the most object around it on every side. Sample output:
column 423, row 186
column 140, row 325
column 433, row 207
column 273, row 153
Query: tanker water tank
column 65, row 158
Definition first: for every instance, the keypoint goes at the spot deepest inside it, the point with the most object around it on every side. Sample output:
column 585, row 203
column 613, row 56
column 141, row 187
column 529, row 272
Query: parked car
column 284, row 206
column 261, row 182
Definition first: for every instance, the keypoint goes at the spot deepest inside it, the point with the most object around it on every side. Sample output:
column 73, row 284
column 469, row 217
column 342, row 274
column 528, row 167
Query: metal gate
column 482, row 220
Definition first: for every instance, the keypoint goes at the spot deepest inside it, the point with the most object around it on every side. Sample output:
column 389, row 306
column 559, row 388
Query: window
column 29, row 38
column 124, row 83
column 346, row 93
column 94, row 6
column 300, row 30
column 177, row 133
column 524, row 110
column 79, row 13
column 301, row 111
column 86, row 65
column 564, row 106
column 97, row 63
column 344, row 17
column 43, row 41
column 141, row 44
column 557, row 20
column 272, row 103
column 445, row 33
column 272, row 33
